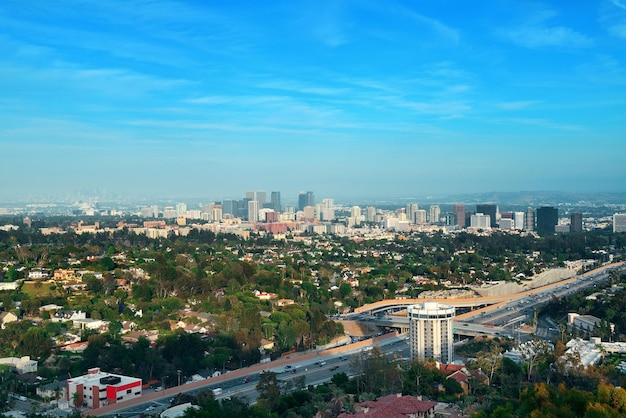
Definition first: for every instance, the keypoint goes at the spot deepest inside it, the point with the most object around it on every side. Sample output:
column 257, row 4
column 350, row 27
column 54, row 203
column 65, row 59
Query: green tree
column 269, row 391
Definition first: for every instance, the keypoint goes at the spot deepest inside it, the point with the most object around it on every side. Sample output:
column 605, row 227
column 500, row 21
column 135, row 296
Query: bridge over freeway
column 487, row 302
column 463, row 328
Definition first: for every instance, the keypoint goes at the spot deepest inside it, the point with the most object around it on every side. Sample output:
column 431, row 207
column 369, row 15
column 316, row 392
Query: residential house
column 6, row 318
column 394, row 406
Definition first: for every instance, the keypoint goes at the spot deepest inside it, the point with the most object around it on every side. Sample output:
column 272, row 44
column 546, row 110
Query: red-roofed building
column 394, row 406
column 464, row 376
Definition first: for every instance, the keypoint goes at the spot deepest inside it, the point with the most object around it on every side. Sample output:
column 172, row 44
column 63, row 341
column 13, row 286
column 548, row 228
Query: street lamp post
column 178, row 372
column 224, row 364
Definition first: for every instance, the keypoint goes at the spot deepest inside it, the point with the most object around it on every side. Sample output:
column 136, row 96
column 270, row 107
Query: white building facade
column 96, row 389
column 619, row 222
column 430, row 331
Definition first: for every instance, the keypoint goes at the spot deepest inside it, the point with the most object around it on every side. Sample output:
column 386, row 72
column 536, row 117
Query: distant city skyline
column 350, row 100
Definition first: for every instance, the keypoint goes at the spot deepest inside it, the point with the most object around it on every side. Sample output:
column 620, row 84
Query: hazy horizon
column 373, row 99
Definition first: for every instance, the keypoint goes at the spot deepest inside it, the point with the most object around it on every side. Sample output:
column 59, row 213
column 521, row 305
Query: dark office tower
column 229, row 207
column 302, row 200
column 275, row 202
column 547, row 218
column 576, row 222
column 459, row 212
column 529, row 220
column 450, row 219
column 305, row 199
column 242, row 208
column 490, row 210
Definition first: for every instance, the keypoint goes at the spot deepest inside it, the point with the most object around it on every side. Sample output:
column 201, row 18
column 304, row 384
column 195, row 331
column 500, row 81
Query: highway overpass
column 395, row 305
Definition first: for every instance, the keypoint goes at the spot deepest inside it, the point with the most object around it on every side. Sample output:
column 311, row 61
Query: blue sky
column 346, row 98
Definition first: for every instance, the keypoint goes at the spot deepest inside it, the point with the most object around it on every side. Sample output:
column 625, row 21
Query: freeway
column 497, row 301
column 235, row 383
column 500, row 318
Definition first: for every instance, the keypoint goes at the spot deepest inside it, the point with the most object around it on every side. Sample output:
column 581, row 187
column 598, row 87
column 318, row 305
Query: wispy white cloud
column 619, row 3
column 546, row 36
column 618, row 30
column 437, row 26
column 299, row 87
column 517, row 105
column 536, row 31
column 614, row 18
column 538, row 122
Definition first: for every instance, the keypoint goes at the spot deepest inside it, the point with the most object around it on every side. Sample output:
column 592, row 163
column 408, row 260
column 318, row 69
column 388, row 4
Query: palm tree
column 77, row 399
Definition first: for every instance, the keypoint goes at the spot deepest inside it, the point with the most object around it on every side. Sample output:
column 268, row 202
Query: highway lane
column 499, row 315
column 234, row 379
column 384, row 305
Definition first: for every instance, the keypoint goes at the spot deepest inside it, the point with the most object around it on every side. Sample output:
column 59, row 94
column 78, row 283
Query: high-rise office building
column 261, row 197
column 518, row 218
column 370, row 214
column 355, row 214
column 619, row 222
column 459, row 211
column 433, row 214
column 305, row 199
column 547, row 219
column 529, row 220
column 411, row 210
column 253, row 210
column 250, row 195
column 229, row 207
column 576, row 222
column 430, row 331
column 216, row 213
column 181, row 209
column 420, row 217
column 275, row 201
column 491, row 210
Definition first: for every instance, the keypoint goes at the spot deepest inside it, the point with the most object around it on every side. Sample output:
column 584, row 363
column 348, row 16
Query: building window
column 129, row 391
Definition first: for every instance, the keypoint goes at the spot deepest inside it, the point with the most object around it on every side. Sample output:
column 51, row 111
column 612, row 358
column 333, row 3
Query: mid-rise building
column 355, row 213
column 261, row 197
column 411, row 212
column 96, row 389
column 619, row 222
column 433, row 214
column 518, row 220
column 506, row 223
column 370, row 214
column 419, row 217
column 480, row 221
column 430, row 331
column 529, row 220
column 309, row 213
column 576, row 222
column 491, row 210
column 181, row 209
column 459, row 211
column 253, row 211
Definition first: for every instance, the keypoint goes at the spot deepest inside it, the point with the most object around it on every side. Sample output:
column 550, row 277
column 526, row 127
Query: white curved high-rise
column 430, row 331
